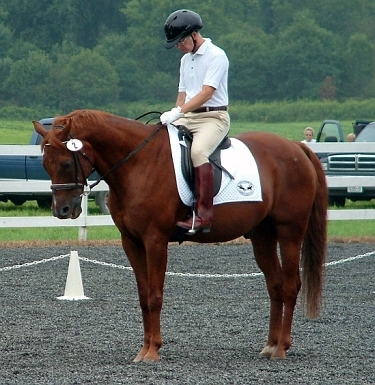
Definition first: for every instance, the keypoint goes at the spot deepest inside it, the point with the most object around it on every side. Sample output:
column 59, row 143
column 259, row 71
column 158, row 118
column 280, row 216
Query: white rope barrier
column 188, row 275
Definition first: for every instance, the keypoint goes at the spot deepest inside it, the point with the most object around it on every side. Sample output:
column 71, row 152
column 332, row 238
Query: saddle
column 186, row 139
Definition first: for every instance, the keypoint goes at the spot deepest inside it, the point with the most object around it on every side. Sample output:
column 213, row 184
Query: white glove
column 172, row 115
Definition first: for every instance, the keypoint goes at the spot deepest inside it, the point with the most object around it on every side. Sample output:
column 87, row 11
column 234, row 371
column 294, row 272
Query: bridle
column 77, row 165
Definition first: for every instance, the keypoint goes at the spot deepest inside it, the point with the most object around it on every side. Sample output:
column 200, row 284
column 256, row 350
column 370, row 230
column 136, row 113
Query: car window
column 367, row 134
column 330, row 133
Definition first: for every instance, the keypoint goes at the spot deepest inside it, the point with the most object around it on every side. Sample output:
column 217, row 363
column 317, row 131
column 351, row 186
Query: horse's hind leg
column 264, row 241
column 283, row 282
column 290, row 239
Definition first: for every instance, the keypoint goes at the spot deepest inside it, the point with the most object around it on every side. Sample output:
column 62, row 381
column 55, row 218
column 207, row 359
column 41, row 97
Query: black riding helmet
column 180, row 24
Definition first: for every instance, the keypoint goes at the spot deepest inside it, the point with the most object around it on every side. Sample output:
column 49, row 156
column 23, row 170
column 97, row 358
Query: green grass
column 19, row 132
column 58, row 234
column 30, row 208
column 292, row 131
column 15, row 132
column 353, row 228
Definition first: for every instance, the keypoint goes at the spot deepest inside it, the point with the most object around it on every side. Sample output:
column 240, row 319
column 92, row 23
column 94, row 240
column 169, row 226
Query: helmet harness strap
column 195, row 44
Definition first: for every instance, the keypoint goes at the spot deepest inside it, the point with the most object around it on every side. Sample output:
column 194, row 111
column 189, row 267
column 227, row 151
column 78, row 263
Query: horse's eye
column 67, row 165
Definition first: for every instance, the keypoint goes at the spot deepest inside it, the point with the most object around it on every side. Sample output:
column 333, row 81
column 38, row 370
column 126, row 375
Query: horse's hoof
column 148, row 361
column 279, row 354
column 278, row 358
column 267, row 351
column 138, row 358
column 151, row 360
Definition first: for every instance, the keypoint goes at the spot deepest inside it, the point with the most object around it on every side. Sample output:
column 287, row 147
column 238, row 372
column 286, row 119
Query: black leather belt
column 208, row 109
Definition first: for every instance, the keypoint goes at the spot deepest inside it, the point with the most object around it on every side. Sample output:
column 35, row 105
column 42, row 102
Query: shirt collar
column 202, row 49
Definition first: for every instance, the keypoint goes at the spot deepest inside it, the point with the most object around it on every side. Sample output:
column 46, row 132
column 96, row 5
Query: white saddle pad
column 240, row 163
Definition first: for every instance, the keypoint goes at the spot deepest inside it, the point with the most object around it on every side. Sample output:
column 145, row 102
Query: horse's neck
column 119, row 143
column 121, row 140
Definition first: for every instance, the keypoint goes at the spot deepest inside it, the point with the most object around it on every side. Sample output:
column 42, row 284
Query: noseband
column 66, row 186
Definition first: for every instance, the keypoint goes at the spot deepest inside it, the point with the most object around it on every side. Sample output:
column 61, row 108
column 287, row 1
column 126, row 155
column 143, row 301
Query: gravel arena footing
column 214, row 320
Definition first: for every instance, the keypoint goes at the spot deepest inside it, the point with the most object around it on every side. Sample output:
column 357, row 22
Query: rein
column 122, row 161
column 149, row 113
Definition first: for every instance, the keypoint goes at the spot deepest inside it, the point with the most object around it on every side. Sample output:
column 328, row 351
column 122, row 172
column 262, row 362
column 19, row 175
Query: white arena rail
column 84, row 220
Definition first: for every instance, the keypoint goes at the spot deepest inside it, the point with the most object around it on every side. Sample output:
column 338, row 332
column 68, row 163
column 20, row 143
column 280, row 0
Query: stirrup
column 194, row 230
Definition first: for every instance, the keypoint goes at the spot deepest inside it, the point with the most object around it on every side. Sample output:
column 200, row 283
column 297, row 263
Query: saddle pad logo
column 245, row 187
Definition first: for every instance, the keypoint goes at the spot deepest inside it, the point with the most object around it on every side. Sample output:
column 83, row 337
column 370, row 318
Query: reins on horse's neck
column 122, row 161
column 149, row 113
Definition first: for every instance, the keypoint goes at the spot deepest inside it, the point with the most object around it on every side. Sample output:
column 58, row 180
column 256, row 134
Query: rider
column 201, row 105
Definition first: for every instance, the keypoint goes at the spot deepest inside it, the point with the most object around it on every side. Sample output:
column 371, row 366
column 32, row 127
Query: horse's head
column 68, row 162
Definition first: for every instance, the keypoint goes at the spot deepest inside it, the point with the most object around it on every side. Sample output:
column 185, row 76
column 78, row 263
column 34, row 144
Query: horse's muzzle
column 70, row 209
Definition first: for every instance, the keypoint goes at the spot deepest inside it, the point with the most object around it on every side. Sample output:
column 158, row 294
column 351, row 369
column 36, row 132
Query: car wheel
column 18, row 201
column 101, row 199
column 44, row 203
column 335, row 200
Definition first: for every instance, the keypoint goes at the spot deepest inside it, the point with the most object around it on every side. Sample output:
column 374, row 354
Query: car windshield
column 367, row 134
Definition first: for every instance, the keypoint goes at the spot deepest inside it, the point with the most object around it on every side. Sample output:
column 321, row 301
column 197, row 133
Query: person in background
column 309, row 135
column 201, row 105
column 350, row 137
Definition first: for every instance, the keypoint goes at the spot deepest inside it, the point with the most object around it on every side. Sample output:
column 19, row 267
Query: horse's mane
column 83, row 119
column 78, row 120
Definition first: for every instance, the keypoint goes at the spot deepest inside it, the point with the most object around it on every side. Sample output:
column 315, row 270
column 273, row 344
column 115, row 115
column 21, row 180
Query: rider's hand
column 172, row 115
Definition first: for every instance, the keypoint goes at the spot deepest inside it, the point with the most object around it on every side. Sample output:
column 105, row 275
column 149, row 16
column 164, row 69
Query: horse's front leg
column 149, row 264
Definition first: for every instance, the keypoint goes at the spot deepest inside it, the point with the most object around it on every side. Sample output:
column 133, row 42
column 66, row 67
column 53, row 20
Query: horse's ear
column 68, row 125
column 40, row 129
column 65, row 132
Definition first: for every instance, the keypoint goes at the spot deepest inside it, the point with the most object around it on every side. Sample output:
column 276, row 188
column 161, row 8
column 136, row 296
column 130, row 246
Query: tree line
column 76, row 54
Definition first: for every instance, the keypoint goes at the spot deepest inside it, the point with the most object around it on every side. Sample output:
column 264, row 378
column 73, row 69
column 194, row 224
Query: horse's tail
column 314, row 247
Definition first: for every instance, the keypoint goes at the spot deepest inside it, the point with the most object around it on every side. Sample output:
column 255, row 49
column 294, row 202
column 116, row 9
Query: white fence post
column 82, row 230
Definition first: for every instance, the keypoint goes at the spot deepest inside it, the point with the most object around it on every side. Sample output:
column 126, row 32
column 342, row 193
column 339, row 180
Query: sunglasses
column 182, row 41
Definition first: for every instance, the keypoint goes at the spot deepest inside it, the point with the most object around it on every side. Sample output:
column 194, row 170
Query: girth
column 186, row 138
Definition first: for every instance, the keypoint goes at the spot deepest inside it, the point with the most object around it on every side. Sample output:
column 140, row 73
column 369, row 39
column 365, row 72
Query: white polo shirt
column 208, row 66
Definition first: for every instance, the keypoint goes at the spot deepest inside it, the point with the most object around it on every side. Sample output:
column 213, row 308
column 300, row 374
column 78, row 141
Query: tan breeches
column 208, row 129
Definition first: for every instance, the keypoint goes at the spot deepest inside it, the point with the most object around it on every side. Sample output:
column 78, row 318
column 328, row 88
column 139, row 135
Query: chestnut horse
column 135, row 160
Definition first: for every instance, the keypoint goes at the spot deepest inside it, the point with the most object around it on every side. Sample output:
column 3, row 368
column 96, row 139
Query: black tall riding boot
column 204, row 185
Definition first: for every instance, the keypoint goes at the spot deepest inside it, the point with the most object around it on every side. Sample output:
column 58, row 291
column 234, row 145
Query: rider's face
column 186, row 44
